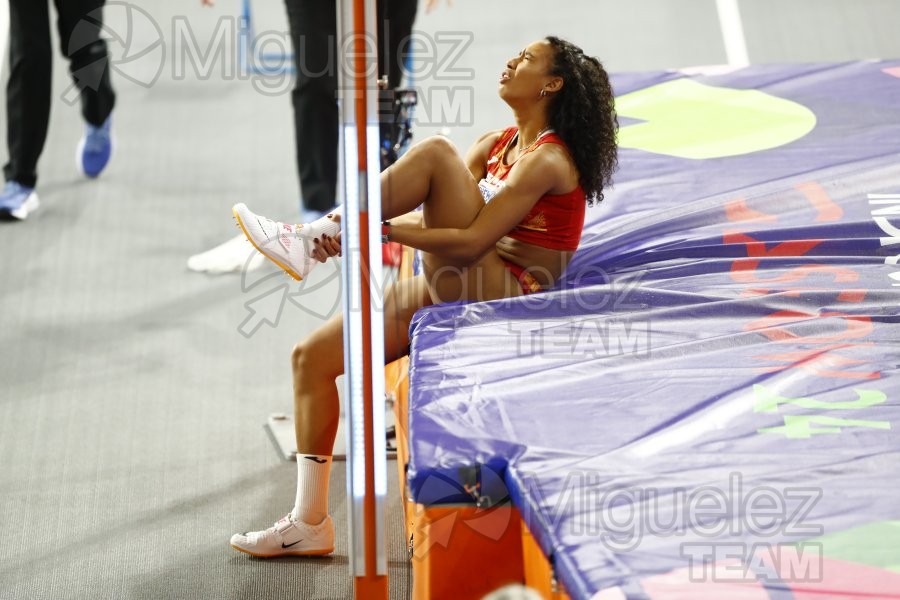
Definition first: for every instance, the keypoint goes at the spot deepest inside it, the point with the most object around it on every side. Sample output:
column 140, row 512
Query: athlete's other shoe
column 288, row 246
column 95, row 148
column 17, row 201
column 288, row 537
column 234, row 256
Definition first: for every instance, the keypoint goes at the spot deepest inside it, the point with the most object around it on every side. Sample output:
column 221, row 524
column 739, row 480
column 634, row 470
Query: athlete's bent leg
column 316, row 362
column 432, row 172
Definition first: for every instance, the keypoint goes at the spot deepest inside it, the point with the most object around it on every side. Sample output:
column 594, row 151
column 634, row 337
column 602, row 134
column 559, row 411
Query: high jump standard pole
column 363, row 297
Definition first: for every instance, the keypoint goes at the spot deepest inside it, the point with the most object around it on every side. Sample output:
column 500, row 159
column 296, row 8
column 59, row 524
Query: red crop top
column 556, row 220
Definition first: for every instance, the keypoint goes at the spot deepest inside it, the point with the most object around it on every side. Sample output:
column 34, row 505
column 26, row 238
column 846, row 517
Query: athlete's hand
column 326, row 246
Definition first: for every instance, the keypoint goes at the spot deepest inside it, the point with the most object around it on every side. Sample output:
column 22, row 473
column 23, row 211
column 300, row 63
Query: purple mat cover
column 706, row 405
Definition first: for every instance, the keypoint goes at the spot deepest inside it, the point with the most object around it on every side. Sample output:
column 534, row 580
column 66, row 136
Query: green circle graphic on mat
column 688, row 119
column 874, row 544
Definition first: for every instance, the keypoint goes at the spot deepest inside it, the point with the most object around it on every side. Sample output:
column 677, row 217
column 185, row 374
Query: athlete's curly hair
column 583, row 113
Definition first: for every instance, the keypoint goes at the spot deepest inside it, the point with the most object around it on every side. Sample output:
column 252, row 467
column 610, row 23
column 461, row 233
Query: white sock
column 322, row 226
column 311, row 505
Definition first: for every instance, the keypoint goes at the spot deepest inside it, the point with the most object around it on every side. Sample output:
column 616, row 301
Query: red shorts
column 529, row 284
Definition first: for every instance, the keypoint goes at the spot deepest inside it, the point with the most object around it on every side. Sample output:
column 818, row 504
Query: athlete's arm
column 534, row 175
column 477, row 156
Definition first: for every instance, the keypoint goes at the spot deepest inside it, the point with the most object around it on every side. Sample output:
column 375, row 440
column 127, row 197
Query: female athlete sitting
column 504, row 221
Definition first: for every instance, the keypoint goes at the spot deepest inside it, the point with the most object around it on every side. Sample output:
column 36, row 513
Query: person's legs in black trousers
column 395, row 18
column 28, row 88
column 80, row 24
column 313, row 26
column 28, row 92
column 395, row 21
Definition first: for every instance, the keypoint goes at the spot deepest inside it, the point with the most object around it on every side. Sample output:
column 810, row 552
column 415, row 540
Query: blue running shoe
column 95, row 148
column 16, row 201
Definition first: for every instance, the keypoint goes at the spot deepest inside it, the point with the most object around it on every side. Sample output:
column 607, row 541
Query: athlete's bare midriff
column 545, row 264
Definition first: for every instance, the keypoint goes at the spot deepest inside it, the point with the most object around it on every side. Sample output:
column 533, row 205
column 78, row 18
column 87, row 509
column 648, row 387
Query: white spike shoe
column 288, row 537
column 288, row 246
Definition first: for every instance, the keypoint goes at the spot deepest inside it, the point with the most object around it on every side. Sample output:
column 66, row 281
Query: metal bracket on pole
column 363, row 297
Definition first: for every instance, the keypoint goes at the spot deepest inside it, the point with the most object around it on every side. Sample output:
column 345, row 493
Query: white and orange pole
column 363, row 298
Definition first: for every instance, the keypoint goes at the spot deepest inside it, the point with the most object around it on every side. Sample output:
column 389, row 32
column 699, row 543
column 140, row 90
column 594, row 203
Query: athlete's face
column 528, row 73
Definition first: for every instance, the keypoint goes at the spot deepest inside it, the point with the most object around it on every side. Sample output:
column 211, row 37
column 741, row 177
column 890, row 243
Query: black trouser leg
column 80, row 23
column 396, row 18
column 28, row 89
column 313, row 25
column 395, row 21
column 31, row 61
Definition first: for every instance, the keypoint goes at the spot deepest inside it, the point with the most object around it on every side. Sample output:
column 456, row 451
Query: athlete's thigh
column 454, row 199
column 487, row 279
column 401, row 302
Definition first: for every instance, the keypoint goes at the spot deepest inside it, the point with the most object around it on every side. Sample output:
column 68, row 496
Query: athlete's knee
column 318, row 356
column 433, row 154
column 300, row 357
column 438, row 147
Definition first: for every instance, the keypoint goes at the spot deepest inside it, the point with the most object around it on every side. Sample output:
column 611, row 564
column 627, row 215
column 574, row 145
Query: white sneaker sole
column 30, row 205
column 276, row 555
column 274, row 259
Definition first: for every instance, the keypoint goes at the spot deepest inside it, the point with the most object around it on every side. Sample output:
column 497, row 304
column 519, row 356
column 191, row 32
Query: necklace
column 536, row 138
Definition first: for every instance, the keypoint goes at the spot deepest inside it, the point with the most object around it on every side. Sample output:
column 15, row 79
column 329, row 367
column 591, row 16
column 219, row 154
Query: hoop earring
column 543, row 93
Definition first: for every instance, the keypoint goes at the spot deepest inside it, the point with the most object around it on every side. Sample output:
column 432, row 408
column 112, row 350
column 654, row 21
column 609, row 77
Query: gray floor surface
column 133, row 392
